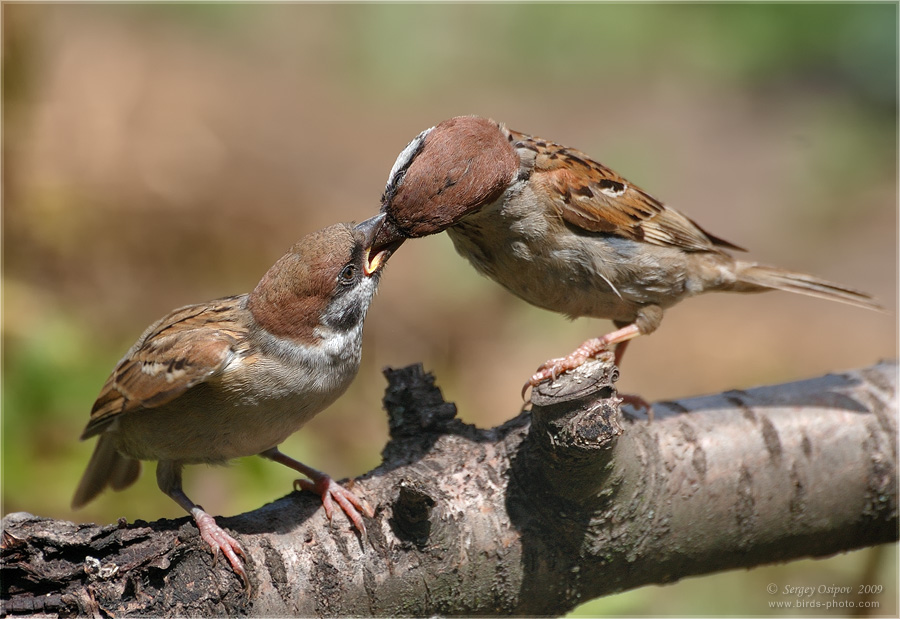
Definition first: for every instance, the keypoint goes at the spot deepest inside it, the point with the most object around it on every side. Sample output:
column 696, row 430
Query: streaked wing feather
column 183, row 349
column 590, row 196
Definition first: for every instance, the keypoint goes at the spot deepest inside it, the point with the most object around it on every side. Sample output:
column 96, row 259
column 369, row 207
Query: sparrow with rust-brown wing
column 566, row 233
column 236, row 376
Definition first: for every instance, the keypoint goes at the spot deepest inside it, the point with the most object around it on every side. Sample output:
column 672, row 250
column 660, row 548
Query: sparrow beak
column 379, row 242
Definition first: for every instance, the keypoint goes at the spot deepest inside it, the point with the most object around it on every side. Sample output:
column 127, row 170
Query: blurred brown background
column 158, row 155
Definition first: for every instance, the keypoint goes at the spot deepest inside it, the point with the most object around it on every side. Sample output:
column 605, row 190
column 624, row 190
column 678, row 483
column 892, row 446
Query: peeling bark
column 557, row 506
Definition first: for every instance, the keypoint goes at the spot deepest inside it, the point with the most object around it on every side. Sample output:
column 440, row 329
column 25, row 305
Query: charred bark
column 564, row 503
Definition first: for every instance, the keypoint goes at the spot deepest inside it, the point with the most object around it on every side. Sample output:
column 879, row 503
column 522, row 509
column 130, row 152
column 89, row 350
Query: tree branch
column 557, row 506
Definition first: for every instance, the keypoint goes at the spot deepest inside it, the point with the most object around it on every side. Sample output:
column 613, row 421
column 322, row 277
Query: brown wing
column 179, row 351
column 593, row 197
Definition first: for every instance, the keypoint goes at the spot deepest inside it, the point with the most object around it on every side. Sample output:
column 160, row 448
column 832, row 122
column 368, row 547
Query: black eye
column 348, row 274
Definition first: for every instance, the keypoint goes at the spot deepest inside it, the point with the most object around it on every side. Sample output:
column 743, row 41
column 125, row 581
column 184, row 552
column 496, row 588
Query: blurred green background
column 158, row 155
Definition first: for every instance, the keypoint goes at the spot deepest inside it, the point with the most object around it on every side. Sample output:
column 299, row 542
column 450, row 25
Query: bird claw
column 332, row 492
column 638, row 403
column 554, row 368
column 220, row 542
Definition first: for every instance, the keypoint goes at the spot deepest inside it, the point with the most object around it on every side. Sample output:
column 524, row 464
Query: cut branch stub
column 579, row 411
column 574, row 426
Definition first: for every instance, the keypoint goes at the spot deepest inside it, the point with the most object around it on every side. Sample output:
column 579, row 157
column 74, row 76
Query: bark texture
column 561, row 504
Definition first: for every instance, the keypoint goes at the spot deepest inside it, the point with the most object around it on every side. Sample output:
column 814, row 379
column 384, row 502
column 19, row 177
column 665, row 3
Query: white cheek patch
column 404, row 159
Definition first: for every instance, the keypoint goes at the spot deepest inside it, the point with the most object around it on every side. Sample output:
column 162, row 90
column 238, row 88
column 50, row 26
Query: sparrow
column 236, row 376
column 566, row 233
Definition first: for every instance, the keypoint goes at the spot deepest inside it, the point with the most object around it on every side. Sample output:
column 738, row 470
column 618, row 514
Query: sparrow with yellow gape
column 236, row 376
column 566, row 233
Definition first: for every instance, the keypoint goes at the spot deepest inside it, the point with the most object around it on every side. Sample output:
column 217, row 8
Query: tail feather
column 756, row 277
column 107, row 467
